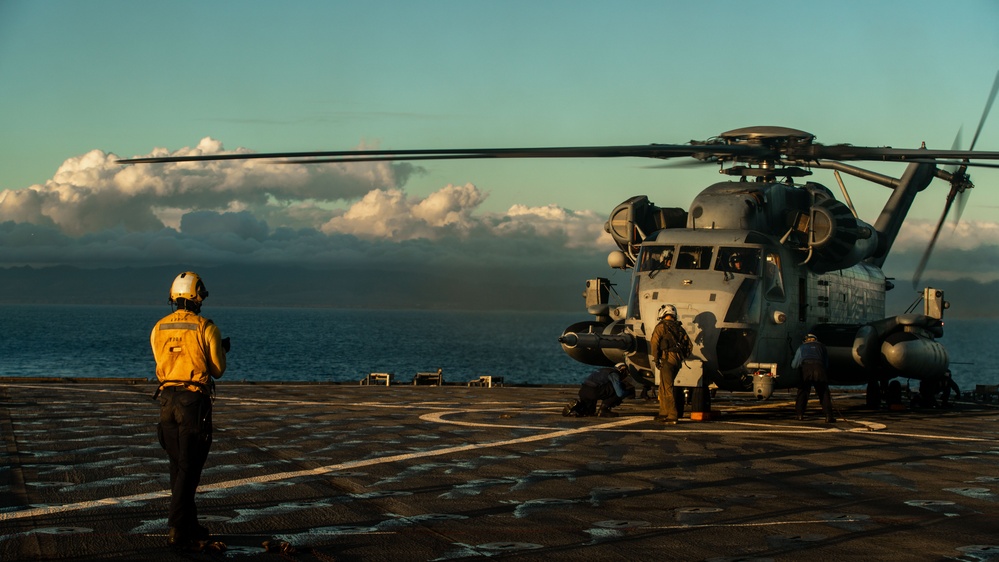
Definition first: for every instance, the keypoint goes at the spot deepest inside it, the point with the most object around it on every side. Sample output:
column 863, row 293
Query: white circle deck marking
column 439, row 417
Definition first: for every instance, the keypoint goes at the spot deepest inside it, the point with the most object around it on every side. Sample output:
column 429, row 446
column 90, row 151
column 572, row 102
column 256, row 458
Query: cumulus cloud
column 969, row 250
column 97, row 213
column 92, row 192
column 915, row 235
column 578, row 229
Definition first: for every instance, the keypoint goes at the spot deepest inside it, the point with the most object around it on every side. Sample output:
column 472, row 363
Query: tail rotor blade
column 960, row 182
column 957, row 139
column 962, row 202
column 933, row 240
column 985, row 114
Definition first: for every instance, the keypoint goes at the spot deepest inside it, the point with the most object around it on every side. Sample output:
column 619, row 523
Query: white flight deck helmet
column 189, row 286
column 666, row 310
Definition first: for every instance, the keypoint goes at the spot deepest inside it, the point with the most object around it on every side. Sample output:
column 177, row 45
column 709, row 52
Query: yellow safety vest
column 188, row 351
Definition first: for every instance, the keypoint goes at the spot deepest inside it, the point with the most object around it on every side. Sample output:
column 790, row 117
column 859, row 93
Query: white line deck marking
column 438, row 417
column 49, row 510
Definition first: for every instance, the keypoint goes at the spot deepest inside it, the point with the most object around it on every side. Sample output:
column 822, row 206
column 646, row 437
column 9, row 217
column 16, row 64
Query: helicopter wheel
column 893, row 396
column 700, row 399
column 874, row 395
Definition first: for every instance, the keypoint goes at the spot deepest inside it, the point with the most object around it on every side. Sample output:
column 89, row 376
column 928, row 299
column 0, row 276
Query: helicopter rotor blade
column 844, row 152
column 985, row 114
column 675, row 164
column 953, row 165
column 660, row 151
column 933, row 240
column 956, row 145
column 710, row 152
column 763, row 146
column 962, row 202
column 960, row 183
column 960, row 179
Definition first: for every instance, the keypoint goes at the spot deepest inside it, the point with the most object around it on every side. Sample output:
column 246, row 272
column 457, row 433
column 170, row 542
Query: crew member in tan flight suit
column 190, row 354
column 670, row 346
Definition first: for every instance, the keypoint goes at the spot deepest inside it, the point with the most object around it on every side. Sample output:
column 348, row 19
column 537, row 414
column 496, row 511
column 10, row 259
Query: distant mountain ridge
column 496, row 288
column 481, row 289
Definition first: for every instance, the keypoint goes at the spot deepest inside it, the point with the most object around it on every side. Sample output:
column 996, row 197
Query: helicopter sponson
column 898, row 346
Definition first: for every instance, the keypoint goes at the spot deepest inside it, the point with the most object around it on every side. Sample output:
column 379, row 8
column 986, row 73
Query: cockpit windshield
column 744, row 260
column 654, row 258
column 738, row 260
column 694, row 257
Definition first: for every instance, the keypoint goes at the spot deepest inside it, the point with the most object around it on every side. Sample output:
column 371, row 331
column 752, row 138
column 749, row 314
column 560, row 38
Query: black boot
column 178, row 539
column 571, row 409
column 200, row 532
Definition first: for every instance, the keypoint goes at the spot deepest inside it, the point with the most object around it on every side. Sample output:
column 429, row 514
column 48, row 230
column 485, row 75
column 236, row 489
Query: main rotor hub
column 766, row 173
column 776, row 143
column 767, row 136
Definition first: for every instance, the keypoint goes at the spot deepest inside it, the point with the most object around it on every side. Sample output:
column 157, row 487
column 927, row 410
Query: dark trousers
column 588, row 396
column 185, row 432
column 813, row 375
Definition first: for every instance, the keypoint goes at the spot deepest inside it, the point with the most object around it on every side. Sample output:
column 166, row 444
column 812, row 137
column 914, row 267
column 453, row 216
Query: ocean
column 296, row 344
column 335, row 345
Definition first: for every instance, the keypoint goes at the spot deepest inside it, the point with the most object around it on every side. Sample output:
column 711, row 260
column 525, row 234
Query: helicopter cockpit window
column 738, row 260
column 774, row 278
column 655, row 258
column 694, row 257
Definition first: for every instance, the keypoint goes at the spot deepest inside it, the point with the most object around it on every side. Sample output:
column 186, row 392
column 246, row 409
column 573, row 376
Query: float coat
column 188, row 351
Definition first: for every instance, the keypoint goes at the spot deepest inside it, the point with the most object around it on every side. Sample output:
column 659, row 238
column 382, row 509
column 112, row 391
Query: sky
column 85, row 83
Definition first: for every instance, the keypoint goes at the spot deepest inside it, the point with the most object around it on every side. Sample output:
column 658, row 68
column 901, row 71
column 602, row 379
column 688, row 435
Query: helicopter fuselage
column 746, row 301
column 754, row 268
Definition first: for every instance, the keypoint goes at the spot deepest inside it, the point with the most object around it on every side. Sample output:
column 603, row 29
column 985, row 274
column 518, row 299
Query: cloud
column 968, row 251
column 97, row 213
column 92, row 192
column 355, row 220
column 577, row 229
column 391, row 214
column 916, row 233
column 242, row 225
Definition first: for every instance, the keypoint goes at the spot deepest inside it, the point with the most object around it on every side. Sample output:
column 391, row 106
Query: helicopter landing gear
column 700, row 403
column 893, row 396
column 874, row 395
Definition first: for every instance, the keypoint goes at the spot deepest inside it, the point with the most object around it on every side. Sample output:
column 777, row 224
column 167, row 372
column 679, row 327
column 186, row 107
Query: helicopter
column 754, row 263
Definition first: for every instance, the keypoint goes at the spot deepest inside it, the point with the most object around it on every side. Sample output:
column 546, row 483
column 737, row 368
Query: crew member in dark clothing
column 927, row 395
column 929, row 388
column 190, row 355
column 947, row 385
column 606, row 385
column 813, row 359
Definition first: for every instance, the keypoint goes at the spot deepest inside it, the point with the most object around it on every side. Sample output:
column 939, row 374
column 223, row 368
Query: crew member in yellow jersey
column 190, row 355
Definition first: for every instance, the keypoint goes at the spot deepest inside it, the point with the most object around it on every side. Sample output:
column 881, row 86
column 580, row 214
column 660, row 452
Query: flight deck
column 351, row 472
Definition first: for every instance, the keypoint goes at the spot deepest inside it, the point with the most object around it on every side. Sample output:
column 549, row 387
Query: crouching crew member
column 190, row 353
column 607, row 385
